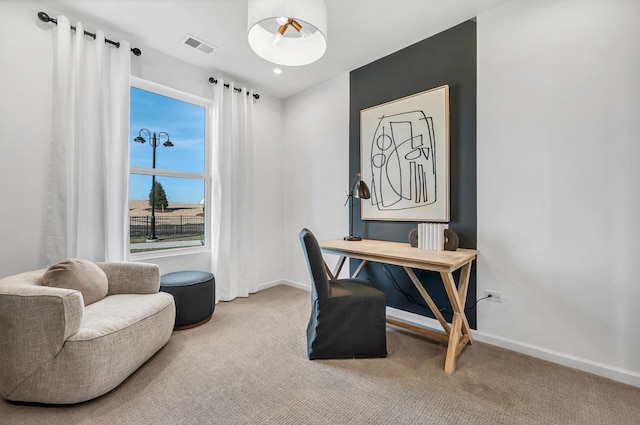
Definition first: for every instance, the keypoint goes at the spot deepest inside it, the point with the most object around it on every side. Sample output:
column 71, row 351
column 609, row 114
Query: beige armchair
column 54, row 349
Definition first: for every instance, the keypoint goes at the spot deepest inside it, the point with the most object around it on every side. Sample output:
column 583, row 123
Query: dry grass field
column 141, row 208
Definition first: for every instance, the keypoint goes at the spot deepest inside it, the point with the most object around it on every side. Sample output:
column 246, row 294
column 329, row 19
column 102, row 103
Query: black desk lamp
column 358, row 190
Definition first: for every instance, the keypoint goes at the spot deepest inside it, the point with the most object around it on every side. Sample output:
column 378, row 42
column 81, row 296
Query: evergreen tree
column 161, row 197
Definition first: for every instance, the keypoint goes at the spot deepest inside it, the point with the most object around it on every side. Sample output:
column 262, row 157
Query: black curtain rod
column 46, row 18
column 212, row 80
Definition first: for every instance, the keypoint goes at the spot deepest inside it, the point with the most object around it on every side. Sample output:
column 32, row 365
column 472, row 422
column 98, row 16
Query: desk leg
column 425, row 295
column 336, row 271
column 361, row 266
column 454, row 340
column 460, row 330
column 465, row 273
column 326, row 269
column 456, row 303
column 338, row 268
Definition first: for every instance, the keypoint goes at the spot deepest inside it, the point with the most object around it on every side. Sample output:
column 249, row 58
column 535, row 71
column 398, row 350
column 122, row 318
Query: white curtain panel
column 232, row 193
column 87, row 209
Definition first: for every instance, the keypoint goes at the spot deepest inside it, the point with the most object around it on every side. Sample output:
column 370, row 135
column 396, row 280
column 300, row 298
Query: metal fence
column 167, row 225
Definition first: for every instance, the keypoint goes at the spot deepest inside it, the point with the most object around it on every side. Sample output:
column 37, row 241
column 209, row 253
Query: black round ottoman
column 194, row 293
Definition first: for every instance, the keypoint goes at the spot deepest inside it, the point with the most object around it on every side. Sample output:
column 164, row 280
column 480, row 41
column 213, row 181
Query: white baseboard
column 596, row 368
column 267, row 285
column 607, row 371
column 305, row 287
column 601, row 369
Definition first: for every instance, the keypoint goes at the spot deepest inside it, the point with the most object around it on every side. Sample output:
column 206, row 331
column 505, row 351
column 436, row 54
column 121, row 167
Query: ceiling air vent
column 198, row 44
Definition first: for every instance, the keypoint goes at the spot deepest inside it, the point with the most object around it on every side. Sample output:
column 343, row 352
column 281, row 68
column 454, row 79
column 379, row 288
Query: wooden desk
column 402, row 254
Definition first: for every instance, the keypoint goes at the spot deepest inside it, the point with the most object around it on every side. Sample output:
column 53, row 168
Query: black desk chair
column 347, row 315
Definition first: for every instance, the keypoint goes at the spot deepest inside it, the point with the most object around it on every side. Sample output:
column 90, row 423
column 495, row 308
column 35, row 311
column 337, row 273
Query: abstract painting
column 404, row 158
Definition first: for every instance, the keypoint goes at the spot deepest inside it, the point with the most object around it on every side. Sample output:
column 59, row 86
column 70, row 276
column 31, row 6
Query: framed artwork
column 404, row 158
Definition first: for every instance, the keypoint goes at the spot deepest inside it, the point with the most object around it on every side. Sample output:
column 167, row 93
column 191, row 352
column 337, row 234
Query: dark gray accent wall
column 446, row 58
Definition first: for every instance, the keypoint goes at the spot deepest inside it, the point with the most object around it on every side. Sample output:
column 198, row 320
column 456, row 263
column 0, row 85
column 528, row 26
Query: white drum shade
column 295, row 47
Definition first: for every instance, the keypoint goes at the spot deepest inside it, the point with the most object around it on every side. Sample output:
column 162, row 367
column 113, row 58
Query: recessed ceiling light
column 277, row 71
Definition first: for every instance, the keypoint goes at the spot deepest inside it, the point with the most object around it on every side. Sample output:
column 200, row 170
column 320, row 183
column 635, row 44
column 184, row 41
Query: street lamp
column 154, row 142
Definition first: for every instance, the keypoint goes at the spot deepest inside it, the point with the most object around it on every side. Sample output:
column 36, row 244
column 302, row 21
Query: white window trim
column 206, row 176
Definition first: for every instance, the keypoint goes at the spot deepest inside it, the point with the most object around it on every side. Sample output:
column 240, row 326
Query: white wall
column 316, row 148
column 25, row 130
column 25, row 121
column 269, row 161
column 558, row 203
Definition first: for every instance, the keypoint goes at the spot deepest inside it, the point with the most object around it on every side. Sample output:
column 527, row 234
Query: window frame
column 162, row 90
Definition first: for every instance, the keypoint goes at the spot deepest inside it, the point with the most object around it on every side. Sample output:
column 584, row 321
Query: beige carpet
column 248, row 365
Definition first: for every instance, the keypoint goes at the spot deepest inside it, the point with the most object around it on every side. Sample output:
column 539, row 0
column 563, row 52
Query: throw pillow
column 81, row 275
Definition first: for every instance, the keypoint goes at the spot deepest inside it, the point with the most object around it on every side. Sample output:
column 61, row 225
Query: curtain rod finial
column 44, row 17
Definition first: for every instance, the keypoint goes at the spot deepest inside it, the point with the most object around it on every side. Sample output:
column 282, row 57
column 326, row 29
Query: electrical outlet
column 494, row 295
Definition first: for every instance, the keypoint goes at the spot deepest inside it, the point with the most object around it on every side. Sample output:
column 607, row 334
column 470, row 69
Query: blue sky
column 185, row 124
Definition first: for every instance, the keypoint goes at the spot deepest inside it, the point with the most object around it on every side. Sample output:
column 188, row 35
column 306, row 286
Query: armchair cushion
column 81, row 275
column 131, row 278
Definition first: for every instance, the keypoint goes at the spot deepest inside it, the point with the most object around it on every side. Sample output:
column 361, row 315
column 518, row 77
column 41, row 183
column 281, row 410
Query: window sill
column 168, row 253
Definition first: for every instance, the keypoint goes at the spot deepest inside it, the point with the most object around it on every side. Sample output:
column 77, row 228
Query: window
column 169, row 173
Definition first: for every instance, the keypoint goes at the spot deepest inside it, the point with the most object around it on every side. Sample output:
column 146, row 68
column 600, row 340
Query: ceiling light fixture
column 288, row 32
column 277, row 71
